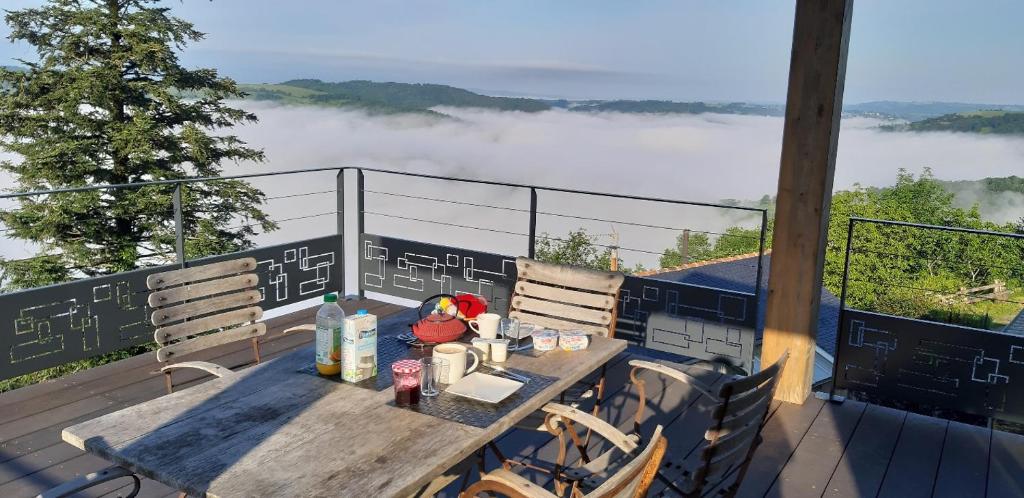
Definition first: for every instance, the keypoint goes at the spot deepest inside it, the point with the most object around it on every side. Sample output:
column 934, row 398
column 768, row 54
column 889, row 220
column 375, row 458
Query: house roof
column 1016, row 326
column 738, row 273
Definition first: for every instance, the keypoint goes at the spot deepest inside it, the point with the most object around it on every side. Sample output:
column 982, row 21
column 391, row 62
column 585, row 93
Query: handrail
column 383, row 171
column 937, row 227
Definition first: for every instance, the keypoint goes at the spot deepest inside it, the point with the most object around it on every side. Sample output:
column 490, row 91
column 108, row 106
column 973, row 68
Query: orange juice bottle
column 329, row 322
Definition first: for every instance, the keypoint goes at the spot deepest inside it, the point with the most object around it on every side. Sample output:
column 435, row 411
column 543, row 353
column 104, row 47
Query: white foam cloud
column 692, row 157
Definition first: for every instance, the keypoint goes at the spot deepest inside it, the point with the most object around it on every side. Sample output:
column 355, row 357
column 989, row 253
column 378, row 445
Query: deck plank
column 807, row 472
column 862, row 468
column 963, row 470
column 1006, row 466
column 915, row 460
column 782, row 434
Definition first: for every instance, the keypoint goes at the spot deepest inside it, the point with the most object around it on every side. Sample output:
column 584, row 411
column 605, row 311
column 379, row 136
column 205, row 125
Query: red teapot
column 440, row 326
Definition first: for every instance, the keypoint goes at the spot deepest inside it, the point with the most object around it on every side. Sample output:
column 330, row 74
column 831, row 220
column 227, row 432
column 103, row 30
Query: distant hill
column 390, row 98
column 916, row 111
column 669, row 107
column 990, row 121
column 387, row 98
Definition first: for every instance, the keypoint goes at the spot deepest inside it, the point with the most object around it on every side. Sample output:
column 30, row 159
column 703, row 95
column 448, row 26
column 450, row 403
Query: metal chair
column 632, row 479
column 742, row 405
column 205, row 306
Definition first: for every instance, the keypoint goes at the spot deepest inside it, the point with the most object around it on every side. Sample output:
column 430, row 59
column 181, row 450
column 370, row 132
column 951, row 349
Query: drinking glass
column 406, row 377
column 430, row 375
column 509, row 328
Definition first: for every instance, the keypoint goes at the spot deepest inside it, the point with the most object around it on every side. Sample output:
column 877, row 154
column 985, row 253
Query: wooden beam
column 814, row 104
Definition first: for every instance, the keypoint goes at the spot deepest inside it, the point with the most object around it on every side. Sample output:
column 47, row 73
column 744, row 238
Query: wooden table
column 273, row 431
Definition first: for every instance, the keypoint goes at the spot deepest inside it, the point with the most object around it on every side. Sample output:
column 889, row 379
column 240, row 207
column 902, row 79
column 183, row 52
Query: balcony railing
column 48, row 326
column 896, row 345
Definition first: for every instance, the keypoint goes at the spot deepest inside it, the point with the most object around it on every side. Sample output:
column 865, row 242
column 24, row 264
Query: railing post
column 760, row 256
column 532, row 251
column 842, row 308
column 360, row 221
column 179, row 232
column 339, row 215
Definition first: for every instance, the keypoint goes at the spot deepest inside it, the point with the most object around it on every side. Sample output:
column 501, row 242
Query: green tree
column 733, row 242
column 107, row 102
column 579, row 248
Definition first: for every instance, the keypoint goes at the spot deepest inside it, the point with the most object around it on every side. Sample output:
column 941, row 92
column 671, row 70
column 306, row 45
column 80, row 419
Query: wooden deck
column 815, row 449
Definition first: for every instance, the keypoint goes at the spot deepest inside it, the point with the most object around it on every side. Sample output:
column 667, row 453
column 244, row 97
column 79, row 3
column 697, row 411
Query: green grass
column 72, row 367
column 1001, row 312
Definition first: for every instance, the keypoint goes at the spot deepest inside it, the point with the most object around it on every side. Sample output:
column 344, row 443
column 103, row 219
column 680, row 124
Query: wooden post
column 684, row 247
column 814, row 103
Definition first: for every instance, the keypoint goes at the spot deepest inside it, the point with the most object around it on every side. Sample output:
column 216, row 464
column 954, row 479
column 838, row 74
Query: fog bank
column 705, row 158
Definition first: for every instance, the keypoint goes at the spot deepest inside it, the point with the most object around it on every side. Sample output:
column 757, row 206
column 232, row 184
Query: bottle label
column 328, row 345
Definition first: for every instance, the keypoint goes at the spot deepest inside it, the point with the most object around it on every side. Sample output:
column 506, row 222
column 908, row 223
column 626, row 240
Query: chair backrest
column 205, row 306
column 565, row 297
column 736, row 427
column 634, row 478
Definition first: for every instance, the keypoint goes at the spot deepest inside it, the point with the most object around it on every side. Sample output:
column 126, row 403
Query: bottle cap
column 330, row 298
column 360, row 312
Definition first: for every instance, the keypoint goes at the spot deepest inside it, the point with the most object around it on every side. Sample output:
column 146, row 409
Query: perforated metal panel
column 698, row 322
column 883, row 357
column 48, row 326
column 417, row 270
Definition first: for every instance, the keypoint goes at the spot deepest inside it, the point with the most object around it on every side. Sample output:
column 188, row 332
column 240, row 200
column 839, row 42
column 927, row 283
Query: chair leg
column 167, row 382
column 256, row 349
column 598, row 397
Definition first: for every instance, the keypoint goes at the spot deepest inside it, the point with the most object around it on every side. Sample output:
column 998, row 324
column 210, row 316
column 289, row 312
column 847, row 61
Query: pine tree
column 107, row 102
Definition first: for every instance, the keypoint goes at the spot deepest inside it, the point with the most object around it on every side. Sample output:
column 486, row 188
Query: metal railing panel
column 57, row 324
column 417, row 270
column 888, row 358
column 689, row 320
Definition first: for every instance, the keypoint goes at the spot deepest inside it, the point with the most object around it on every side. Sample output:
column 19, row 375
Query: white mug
column 485, row 324
column 455, row 355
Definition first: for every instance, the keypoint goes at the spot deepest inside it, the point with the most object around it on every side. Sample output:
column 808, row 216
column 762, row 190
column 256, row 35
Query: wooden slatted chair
column 563, row 297
column 202, row 307
column 742, row 405
column 632, row 480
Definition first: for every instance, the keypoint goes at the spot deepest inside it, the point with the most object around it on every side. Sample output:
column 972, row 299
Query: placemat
column 389, row 350
column 478, row 413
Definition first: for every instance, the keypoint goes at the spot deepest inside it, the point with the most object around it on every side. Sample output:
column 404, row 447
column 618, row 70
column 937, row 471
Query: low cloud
column 690, row 157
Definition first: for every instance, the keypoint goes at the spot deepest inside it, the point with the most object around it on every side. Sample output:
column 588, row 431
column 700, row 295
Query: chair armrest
column 72, row 487
column 308, row 327
column 210, row 368
column 507, row 483
column 670, row 372
column 606, row 430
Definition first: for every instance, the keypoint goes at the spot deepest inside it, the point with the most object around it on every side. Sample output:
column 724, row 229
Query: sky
column 914, row 50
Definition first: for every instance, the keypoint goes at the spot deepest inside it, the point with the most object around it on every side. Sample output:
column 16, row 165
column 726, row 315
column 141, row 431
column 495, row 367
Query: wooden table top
column 273, row 431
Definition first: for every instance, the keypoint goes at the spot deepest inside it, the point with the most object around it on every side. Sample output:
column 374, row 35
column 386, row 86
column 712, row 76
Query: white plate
column 483, row 387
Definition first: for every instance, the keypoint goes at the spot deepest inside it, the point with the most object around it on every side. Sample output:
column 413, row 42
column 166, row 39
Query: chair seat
column 591, row 474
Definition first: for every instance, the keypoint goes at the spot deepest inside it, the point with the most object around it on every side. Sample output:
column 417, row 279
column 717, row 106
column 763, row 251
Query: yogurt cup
column 573, row 340
column 545, row 340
